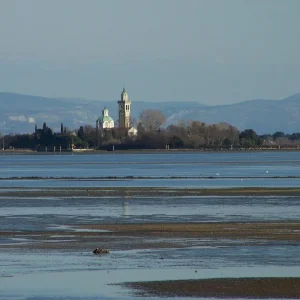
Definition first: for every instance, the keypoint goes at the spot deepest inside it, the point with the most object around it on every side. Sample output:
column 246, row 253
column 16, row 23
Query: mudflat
column 231, row 230
column 154, row 235
column 146, row 191
column 221, row 288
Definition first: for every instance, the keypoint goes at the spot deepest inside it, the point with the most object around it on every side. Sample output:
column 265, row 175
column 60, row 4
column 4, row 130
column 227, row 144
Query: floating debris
column 101, row 251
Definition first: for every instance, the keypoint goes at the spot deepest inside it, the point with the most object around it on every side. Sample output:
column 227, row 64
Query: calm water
column 80, row 275
column 221, row 166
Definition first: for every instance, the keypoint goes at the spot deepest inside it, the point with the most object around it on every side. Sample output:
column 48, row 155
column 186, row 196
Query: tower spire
column 124, row 110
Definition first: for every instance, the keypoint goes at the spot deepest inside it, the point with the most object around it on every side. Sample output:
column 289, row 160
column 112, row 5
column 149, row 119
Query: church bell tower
column 124, row 110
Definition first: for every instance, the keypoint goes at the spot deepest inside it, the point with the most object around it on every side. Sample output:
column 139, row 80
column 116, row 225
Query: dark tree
column 249, row 138
column 278, row 134
column 80, row 133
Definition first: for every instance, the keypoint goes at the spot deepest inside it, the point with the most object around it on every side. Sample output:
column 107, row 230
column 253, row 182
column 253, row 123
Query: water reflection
column 126, row 209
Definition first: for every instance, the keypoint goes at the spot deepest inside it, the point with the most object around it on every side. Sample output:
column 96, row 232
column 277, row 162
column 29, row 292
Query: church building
column 105, row 121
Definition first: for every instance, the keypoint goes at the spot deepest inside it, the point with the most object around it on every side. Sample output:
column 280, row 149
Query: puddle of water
column 74, row 229
column 19, row 239
column 57, row 241
column 61, row 236
column 59, row 227
column 90, row 230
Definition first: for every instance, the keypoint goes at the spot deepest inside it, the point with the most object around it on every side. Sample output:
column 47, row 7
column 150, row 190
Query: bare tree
column 195, row 128
column 133, row 121
column 152, row 119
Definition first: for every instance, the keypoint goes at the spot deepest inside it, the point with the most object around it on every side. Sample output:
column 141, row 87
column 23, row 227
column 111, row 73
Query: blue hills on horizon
column 19, row 113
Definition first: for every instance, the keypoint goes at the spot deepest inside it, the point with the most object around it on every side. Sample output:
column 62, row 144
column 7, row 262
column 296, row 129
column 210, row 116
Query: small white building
column 132, row 132
column 105, row 121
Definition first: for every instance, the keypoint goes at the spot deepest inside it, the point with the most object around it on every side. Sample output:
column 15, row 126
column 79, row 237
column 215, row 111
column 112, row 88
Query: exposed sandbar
column 105, row 178
column 156, row 235
column 288, row 231
column 146, row 191
column 222, row 288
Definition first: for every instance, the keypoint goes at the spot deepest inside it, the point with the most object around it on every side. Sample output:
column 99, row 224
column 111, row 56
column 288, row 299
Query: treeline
column 151, row 134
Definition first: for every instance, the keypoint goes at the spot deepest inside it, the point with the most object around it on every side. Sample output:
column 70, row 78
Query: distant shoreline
column 152, row 151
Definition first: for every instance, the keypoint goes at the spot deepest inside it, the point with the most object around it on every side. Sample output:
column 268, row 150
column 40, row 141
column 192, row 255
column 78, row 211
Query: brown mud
column 155, row 235
column 279, row 288
column 145, row 191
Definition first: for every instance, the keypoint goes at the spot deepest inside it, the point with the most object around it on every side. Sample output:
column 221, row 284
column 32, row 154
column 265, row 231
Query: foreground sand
column 221, row 288
column 176, row 235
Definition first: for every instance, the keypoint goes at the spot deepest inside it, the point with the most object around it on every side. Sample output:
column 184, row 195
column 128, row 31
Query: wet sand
column 173, row 235
column 221, row 288
column 146, row 191
column 154, row 236
column 254, row 230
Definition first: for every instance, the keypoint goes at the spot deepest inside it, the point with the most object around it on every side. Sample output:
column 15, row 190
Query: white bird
column 218, row 174
column 267, row 171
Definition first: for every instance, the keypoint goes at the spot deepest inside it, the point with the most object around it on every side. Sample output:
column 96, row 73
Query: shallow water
column 87, row 276
column 247, row 168
column 63, row 275
column 45, row 274
column 153, row 164
column 164, row 183
column 54, row 213
column 222, row 166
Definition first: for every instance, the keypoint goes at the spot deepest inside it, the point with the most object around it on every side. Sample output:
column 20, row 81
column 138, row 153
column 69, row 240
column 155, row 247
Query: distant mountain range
column 19, row 113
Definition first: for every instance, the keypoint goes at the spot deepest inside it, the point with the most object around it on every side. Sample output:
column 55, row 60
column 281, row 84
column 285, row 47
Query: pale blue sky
column 210, row 51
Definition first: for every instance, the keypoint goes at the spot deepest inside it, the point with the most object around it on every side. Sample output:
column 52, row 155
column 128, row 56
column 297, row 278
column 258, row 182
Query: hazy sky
column 210, row 51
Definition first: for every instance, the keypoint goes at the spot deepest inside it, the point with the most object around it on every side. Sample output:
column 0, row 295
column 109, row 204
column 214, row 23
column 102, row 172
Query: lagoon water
column 47, row 213
column 192, row 169
column 44, row 274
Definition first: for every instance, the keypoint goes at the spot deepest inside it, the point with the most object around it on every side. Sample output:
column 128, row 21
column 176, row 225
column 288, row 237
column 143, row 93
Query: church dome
column 106, row 121
column 102, row 119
